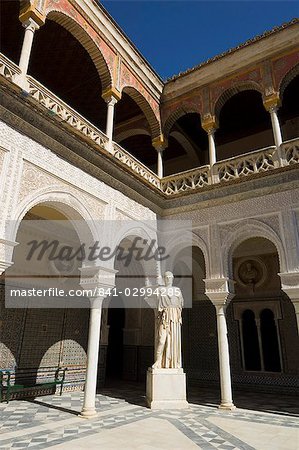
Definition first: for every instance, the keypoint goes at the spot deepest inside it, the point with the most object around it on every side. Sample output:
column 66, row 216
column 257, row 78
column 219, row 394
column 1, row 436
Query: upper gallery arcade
column 72, row 59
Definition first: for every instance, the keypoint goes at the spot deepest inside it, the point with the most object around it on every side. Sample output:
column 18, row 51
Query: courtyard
column 171, row 153
column 261, row 422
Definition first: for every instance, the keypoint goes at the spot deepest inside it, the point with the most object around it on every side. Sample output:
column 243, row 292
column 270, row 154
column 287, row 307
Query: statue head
column 168, row 278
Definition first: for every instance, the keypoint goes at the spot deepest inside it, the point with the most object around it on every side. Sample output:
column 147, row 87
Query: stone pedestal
column 166, row 389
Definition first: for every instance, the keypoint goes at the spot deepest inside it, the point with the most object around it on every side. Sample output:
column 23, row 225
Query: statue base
column 166, row 389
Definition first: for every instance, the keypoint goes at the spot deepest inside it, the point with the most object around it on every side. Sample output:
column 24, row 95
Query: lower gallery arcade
column 260, row 317
column 89, row 133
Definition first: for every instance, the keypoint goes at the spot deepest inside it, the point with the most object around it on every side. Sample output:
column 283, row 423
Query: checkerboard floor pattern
column 47, row 421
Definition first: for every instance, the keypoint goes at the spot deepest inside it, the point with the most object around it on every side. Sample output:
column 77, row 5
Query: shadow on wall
column 35, row 342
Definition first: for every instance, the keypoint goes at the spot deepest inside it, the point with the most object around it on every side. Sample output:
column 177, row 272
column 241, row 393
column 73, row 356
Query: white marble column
column 295, row 302
column 4, row 265
column 220, row 292
column 111, row 97
column 110, row 119
column 94, row 280
column 160, row 162
column 30, row 27
column 88, row 409
column 290, row 285
column 275, row 125
column 210, row 125
column 259, row 336
column 160, row 143
column 224, row 365
column 6, row 254
column 212, row 147
column 271, row 104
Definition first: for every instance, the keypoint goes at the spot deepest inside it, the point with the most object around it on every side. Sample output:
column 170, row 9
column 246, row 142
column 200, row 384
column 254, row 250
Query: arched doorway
column 260, row 318
column 130, row 321
column 46, row 332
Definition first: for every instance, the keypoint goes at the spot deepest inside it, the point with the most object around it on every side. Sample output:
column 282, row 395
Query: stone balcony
column 196, row 180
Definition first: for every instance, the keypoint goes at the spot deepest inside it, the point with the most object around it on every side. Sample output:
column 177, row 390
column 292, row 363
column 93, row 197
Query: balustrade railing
column 185, row 181
column 7, row 68
column 73, row 119
column 136, row 166
column 290, row 151
column 68, row 115
column 255, row 162
column 250, row 163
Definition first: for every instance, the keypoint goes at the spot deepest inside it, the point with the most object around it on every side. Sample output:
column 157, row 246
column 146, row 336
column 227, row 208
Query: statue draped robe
column 169, row 320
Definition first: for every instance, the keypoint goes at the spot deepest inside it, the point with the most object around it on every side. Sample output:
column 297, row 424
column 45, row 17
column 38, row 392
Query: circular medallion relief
column 251, row 272
column 62, row 265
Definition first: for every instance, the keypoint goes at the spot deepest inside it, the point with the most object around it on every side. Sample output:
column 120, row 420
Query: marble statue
column 168, row 301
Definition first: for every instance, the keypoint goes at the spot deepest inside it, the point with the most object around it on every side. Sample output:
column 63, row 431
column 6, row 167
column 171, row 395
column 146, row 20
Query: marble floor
column 261, row 422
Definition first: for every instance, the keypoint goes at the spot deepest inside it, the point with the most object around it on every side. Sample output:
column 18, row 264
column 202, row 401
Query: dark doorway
column 252, row 358
column 116, row 322
column 270, row 341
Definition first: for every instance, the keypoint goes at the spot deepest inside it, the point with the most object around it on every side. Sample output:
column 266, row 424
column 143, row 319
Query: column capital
column 30, row 12
column 160, row 142
column 31, row 25
column 6, row 252
column 94, row 278
column 220, row 290
column 111, row 95
column 272, row 102
column 290, row 284
column 209, row 123
column 4, row 265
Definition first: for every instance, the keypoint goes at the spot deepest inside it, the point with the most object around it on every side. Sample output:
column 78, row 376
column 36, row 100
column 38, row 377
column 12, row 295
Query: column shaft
column 160, row 163
column 259, row 335
column 88, row 409
column 275, row 126
column 212, row 147
column 225, row 378
column 110, row 118
column 296, row 306
column 30, row 28
column 20, row 79
column 290, row 285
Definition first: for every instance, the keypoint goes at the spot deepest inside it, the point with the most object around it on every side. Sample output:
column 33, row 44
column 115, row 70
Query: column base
column 22, row 82
column 88, row 413
column 227, row 406
column 166, row 389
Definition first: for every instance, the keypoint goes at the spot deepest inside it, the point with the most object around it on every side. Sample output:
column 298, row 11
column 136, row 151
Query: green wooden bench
column 7, row 389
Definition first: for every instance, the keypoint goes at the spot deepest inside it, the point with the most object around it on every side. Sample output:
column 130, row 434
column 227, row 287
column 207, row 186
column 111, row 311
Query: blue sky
column 176, row 35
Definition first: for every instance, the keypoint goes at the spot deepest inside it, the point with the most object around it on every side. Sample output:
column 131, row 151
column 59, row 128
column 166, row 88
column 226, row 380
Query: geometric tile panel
column 11, row 325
